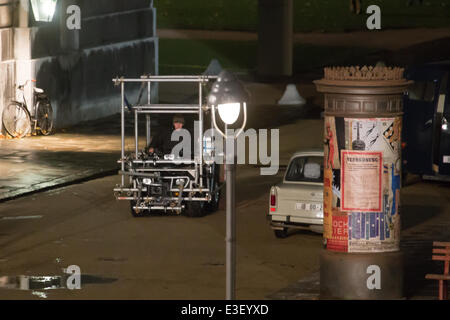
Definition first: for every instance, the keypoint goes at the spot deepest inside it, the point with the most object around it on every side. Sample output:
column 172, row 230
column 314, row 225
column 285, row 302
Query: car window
column 307, row 169
column 422, row 90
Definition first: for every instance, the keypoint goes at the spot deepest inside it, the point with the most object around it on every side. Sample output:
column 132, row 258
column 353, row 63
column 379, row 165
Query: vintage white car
column 297, row 202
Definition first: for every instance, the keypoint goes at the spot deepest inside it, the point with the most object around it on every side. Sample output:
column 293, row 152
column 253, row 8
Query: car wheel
column 213, row 205
column 136, row 213
column 195, row 209
column 281, row 234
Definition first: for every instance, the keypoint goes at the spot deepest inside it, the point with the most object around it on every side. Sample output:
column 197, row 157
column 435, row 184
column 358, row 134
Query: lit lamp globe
column 43, row 10
column 229, row 112
column 228, row 95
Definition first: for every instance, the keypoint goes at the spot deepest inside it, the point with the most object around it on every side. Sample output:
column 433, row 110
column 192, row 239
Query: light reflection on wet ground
column 27, row 166
column 39, row 285
column 42, row 162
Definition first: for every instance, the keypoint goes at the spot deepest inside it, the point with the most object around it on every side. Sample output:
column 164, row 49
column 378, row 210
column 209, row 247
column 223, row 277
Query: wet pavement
column 128, row 258
column 39, row 163
column 40, row 286
column 92, row 149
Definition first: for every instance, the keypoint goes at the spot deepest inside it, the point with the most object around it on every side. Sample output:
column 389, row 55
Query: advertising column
column 362, row 167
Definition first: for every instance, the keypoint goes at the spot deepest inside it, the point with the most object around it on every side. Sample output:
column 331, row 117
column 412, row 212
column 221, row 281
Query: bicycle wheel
column 16, row 120
column 44, row 116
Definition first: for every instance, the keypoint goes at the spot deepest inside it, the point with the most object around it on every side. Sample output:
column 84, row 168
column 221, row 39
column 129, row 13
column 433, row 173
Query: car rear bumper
column 278, row 218
column 294, row 225
column 279, row 222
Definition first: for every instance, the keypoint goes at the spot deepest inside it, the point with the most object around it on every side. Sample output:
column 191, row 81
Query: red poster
column 339, row 237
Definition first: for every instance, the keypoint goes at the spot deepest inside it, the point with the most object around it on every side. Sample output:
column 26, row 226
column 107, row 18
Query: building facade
column 76, row 62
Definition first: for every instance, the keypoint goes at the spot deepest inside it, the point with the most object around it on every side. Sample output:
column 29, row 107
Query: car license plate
column 308, row 206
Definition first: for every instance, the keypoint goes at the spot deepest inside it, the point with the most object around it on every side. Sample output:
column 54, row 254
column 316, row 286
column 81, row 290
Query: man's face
column 177, row 125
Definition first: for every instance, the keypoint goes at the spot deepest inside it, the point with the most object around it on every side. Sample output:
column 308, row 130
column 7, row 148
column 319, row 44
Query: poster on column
column 361, row 181
column 338, row 240
column 327, row 203
column 331, row 152
column 377, row 134
column 371, row 232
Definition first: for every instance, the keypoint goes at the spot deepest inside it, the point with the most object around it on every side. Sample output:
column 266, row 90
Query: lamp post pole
column 228, row 96
column 230, row 219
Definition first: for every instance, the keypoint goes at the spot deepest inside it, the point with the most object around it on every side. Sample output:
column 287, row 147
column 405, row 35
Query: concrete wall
column 76, row 67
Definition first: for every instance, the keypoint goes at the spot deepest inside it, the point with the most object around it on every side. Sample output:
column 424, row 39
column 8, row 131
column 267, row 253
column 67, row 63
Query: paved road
column 147, row 258
column 176, row 257
column 156, row 257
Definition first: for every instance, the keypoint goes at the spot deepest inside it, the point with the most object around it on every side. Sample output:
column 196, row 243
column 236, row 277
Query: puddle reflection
column 32, row 283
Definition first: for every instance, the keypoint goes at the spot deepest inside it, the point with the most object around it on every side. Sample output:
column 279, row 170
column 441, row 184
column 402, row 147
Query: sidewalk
column 40, row 163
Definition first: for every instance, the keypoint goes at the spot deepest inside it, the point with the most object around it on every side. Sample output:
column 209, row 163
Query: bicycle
column 17, row 120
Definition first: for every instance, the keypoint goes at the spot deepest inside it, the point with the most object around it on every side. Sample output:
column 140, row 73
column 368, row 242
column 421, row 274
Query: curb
column 47, row 186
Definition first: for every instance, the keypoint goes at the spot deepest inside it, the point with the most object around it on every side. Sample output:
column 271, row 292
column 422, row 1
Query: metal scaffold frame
column 136, row 166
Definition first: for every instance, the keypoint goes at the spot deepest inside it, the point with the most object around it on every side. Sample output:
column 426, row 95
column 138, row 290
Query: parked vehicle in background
column 297, row 202
column 426, row 132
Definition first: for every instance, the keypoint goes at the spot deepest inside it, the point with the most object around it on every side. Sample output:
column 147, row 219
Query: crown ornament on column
column 364, row 73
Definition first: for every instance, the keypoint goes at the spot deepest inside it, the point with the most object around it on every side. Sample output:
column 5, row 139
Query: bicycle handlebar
column 21, row 87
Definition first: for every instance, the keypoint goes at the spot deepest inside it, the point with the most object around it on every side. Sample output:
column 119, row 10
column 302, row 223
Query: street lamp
column 228, row 96
column 43, row 10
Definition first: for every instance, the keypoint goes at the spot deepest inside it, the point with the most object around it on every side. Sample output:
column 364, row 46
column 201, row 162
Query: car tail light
column 273, row 200
column 403, row 145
